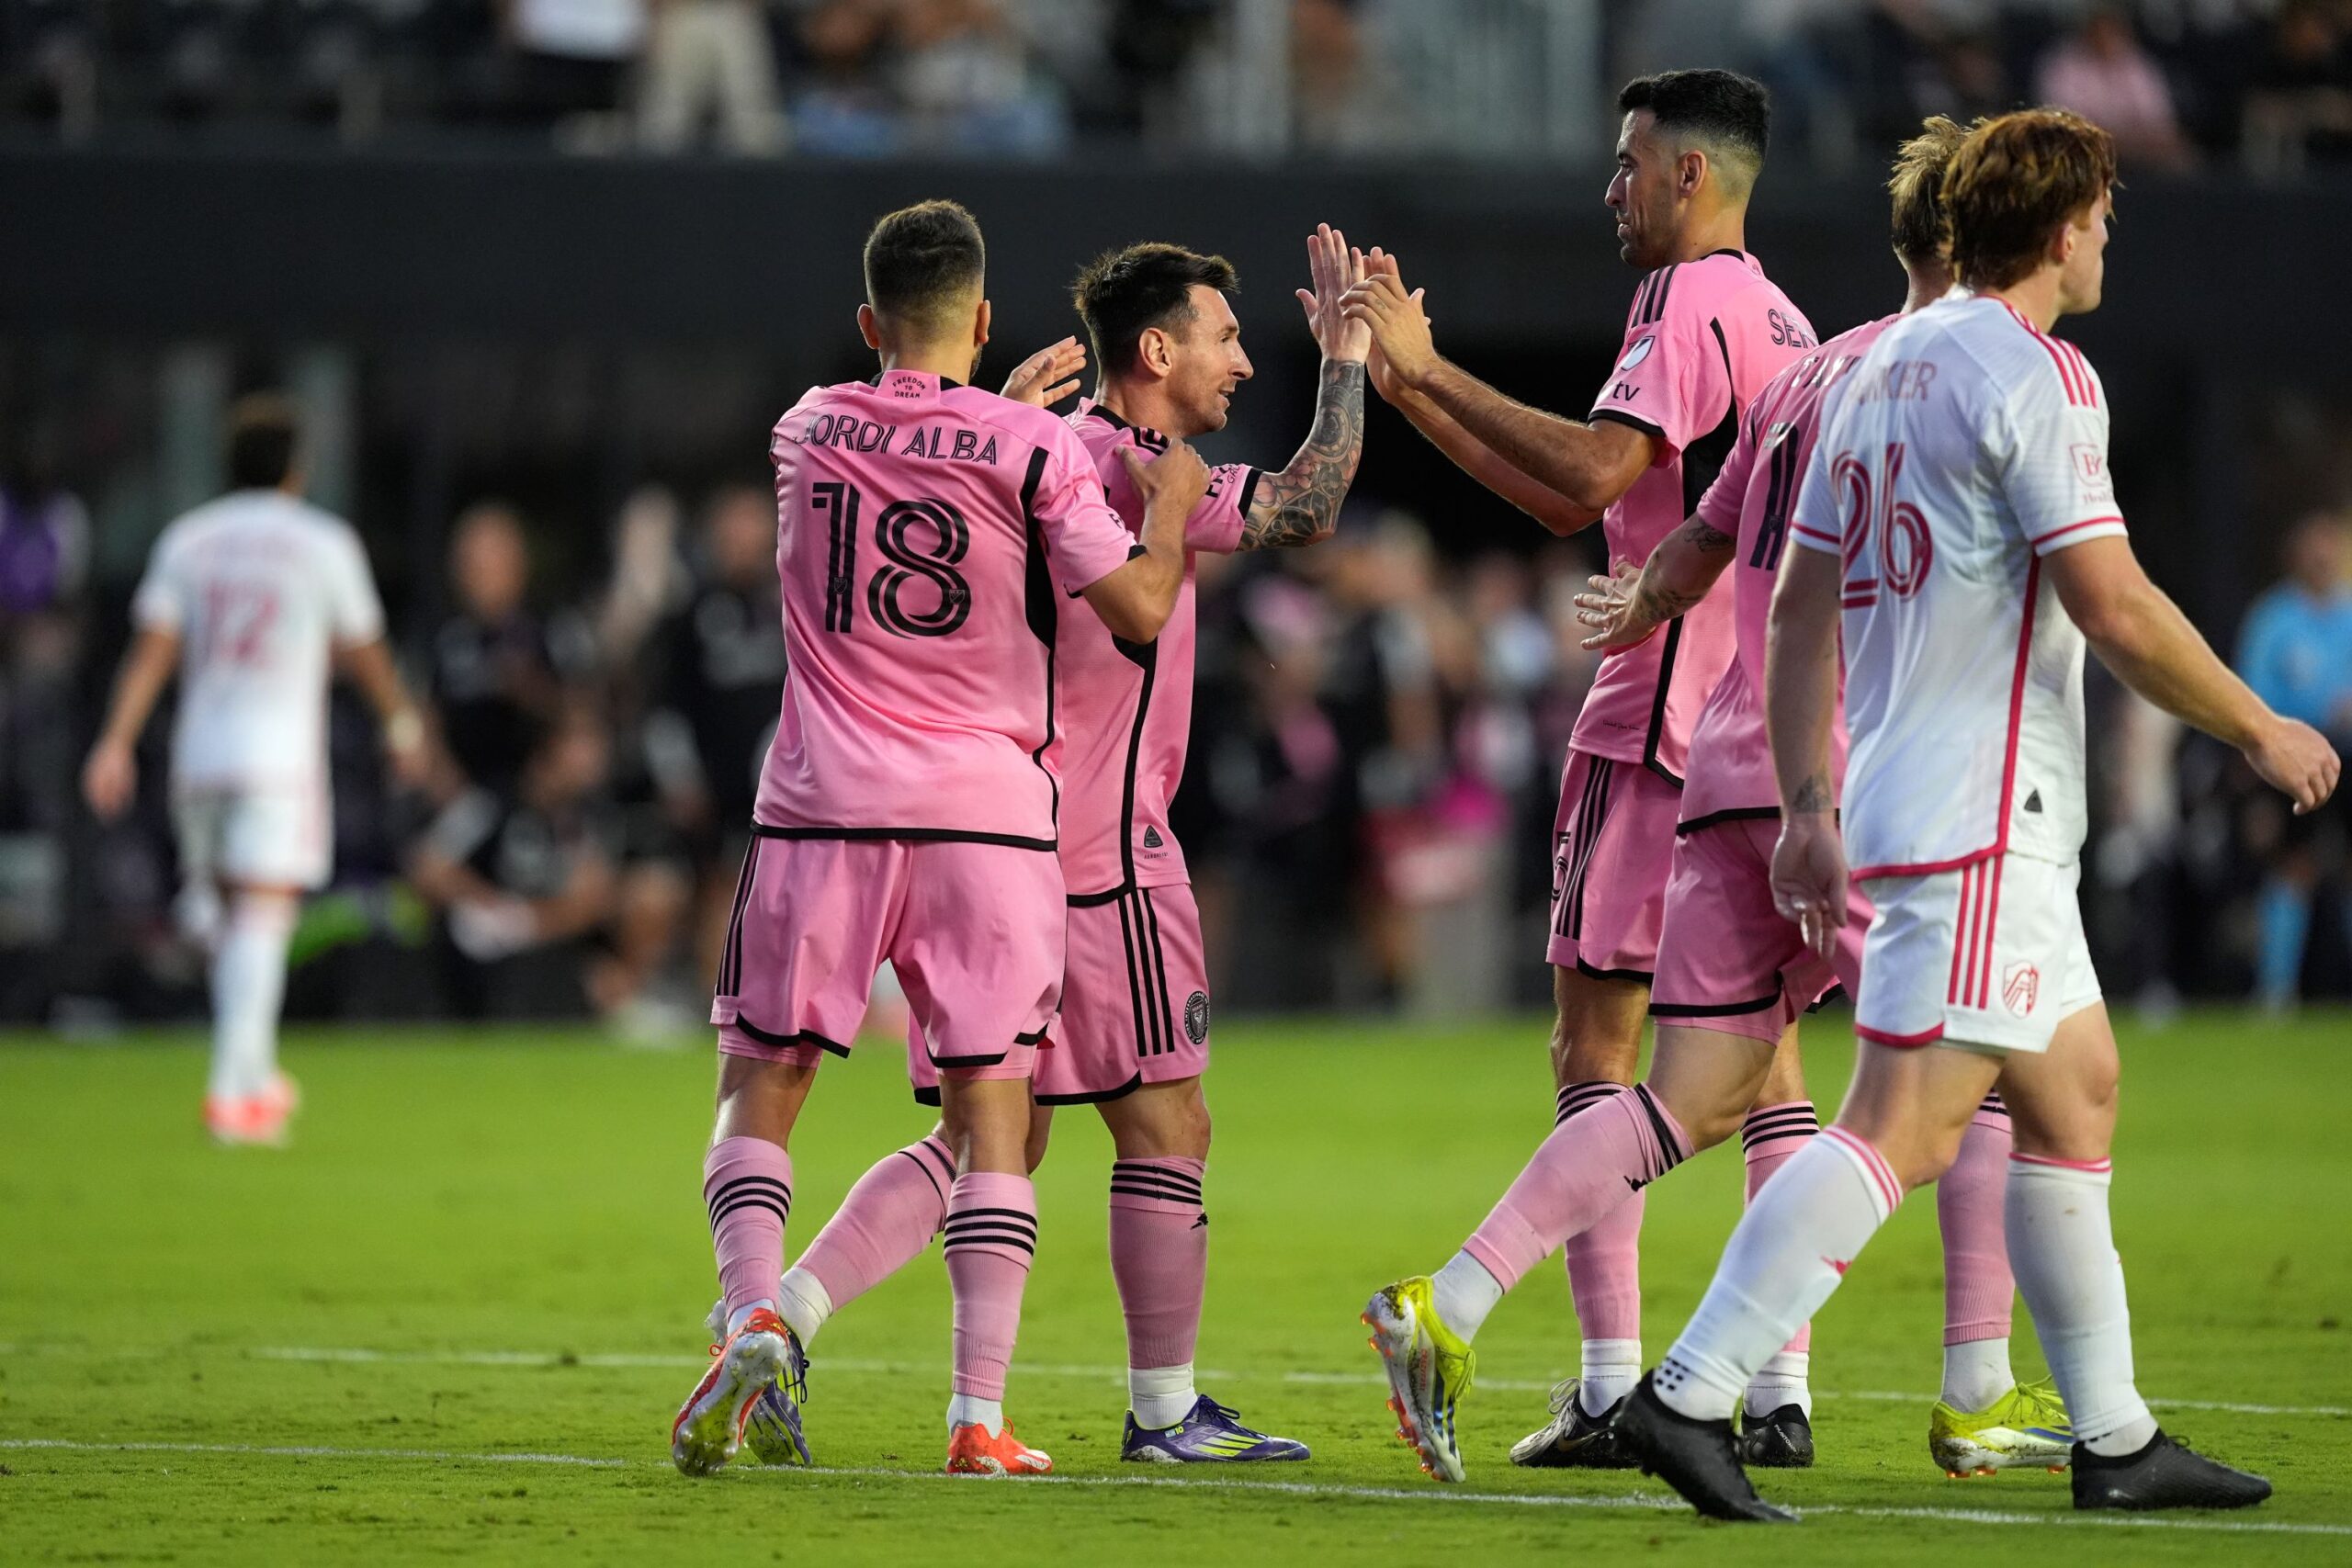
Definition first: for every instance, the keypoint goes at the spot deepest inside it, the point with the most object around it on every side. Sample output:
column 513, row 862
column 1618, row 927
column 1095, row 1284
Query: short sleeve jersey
column 1126, row 708
column 1700, row 341
column 261, row 589
column 1964, row 447
column 926, row 532
column 1752, row 500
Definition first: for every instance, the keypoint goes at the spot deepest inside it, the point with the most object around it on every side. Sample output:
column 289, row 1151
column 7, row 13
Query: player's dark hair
column 920, row 259
column 1922, row 230
column 262, row 439
column 2012, row 182
column 1729, row 112
column 1120, row 295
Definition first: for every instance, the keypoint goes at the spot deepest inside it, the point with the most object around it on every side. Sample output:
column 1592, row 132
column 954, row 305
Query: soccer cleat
column 1698, row 1458
column 709, row 1427
column 772, row 1430
column 2026, row 1425
column 250, row 1121
column 1210, row 1433
column 1573, row 1439
column 2166, row 1474
column 1783, row 1440
column 1430, row 1369
column 973, row 1449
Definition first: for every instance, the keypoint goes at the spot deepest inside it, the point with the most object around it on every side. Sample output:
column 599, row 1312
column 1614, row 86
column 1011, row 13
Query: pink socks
column 991, row 1236
column 1159, row 1256
column 1584, row 1181
column 1768, row 1137
column 1979, row 1291
column 747, row 1187
column 884, row 1224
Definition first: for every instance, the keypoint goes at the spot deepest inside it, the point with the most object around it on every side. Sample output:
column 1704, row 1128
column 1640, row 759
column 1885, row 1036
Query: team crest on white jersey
column 2091, row 473
column 1638, row 353
column 2021, row 987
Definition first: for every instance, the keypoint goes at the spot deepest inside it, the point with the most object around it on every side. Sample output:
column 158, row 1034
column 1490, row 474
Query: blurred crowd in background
column 1367, row 809
column 2264, row 83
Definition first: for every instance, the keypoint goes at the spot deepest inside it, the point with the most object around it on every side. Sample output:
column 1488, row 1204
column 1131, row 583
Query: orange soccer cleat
column 973, row 1451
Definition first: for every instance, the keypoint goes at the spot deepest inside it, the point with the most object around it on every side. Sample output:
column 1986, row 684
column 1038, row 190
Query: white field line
column 857, row 1367
column 1638, row 1501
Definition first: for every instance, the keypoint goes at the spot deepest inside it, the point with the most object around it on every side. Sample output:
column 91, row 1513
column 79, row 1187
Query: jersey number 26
column 1905, row 547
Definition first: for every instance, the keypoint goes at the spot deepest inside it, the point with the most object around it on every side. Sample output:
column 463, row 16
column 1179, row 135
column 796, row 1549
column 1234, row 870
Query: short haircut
column 2012, row 182
column 1122, row 294
column 262, row 439
column 1731, row 114
column 920, row 259
column 1922, row 232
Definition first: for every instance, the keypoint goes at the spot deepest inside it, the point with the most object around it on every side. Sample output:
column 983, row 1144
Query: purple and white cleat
column 1209, row 1434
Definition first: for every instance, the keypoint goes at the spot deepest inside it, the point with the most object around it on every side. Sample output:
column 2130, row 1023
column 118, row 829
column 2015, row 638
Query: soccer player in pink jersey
column 1733, row 975
column 927, row 534
column 1958, row 535
column 1133, row 1036
column 252, row 600
column 1707, row 330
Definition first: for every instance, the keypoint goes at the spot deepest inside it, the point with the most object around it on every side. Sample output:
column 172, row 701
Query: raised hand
column 1403, row 353
column 1176, row 476
column 1048, row 376
column 1334, row 269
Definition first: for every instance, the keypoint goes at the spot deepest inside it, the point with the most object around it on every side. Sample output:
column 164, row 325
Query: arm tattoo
column 1658, row 605
column 1813, row 795
column 1705, row 539
column 1301, row 505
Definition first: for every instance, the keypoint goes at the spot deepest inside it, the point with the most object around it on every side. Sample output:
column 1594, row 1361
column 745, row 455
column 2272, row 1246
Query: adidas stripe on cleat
column 1210, row 1433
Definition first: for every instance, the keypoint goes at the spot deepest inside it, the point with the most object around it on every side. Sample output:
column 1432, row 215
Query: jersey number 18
column 896, row 535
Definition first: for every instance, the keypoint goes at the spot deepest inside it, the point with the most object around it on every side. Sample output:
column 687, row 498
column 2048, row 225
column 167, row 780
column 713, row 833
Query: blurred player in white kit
column 254, row 599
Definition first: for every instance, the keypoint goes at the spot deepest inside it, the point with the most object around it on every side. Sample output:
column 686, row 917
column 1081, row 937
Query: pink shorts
column 974, row 931
column 1134, row 1002
column 1613, row 845
column 1726, row 960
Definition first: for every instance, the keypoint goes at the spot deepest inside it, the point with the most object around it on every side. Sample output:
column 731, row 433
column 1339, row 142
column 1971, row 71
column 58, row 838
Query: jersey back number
column 920, row 540
column 1886, row 544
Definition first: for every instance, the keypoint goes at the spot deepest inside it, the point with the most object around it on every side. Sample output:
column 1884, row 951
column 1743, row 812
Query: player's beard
column 972, row 377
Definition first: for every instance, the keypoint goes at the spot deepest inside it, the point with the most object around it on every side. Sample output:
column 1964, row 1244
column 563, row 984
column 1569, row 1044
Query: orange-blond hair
column 2015, row 179
column 1921, row 231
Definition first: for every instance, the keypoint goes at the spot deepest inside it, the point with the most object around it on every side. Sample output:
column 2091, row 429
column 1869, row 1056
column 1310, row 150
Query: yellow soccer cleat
column 1430, row 1369
column 2029, row 1425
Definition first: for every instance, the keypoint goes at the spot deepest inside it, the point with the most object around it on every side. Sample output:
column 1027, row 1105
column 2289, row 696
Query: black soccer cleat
column 1698, row 1458
column 2165, row 1475
column 1783, row 1440
column 1572, row 1440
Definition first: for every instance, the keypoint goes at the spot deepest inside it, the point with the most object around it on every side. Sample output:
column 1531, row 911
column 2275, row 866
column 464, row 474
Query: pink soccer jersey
column 1700, row 341
column 1752, row 498
column 922, row 527
column 1126, row 711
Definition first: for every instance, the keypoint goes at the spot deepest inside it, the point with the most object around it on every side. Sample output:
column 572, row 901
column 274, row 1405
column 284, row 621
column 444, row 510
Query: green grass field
column 453, row 1320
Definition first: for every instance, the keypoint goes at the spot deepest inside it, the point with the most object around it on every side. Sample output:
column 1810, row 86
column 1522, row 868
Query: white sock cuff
column 802, row 1302
column 1878, row 1177
column 2073, row 1172
column 269, row 917
column 1611, row 1355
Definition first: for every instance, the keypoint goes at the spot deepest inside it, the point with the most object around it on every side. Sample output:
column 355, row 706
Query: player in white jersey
column 1960, row 513
column 254, row 599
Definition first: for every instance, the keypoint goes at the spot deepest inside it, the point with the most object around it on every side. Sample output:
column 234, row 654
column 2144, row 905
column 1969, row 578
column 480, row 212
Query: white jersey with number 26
column 261, row 588
column 1964, row 449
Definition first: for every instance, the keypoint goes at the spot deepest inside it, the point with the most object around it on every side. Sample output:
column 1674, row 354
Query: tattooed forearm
column 1813, row 795
column 1301, row 505
column 1657, row 603
column 1705, row 539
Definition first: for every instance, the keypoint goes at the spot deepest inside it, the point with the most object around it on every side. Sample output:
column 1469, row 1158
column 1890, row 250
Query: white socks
column 248, row 987
column 1160, row 1396
column 1465, row 1293
column 742, row 1314
column 1977, row 1372
column 1786, row 1379
column 2062, row 1249
column 965, row 1409
column 1611, row 1369
column 1785, row 1259
column 802, row 1302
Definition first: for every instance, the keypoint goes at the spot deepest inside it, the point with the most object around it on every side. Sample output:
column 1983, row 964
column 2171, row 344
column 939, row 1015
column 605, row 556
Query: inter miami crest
column 1196, row 1017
